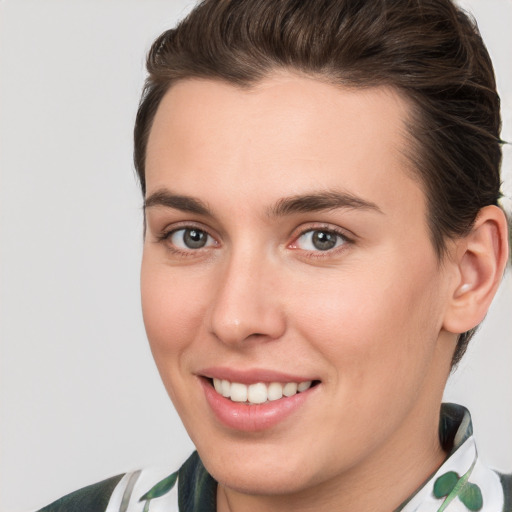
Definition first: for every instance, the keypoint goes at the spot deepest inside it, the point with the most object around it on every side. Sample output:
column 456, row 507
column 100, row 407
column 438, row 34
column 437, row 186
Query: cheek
column 172, row 310
column 367, row 322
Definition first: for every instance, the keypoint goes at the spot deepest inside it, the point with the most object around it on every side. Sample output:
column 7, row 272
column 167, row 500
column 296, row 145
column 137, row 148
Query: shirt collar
column 462, row 483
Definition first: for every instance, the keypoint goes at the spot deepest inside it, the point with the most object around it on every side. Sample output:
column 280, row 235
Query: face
column 291, row 295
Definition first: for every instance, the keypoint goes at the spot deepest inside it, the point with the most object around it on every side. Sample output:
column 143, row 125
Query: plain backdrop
column 80, row 397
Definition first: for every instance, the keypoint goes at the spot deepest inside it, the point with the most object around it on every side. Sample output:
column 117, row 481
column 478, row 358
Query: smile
column 253, row 401
column 258, row 393
column 256, row 399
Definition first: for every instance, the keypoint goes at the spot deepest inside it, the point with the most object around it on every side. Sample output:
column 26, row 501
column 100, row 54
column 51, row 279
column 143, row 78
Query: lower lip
column 252, row 418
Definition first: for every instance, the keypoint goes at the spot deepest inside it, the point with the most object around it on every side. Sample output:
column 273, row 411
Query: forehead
column 285, row 135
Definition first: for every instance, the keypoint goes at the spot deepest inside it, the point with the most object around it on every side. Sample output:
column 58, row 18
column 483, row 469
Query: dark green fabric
column 450, row 418
column 506, row 482
column 197, row 490
column 93, row 498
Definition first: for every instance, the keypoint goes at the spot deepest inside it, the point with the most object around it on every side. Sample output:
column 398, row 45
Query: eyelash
column 165, row 236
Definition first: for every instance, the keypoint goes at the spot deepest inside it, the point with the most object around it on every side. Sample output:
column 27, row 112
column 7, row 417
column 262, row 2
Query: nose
column 246, row 303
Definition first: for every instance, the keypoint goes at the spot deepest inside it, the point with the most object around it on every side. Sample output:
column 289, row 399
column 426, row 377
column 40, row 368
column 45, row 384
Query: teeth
column 238, row 392
column 217, row 384
column 275, row 391
column 302, row 386
column 290, row 389
column 225, row 388
column 259, row 392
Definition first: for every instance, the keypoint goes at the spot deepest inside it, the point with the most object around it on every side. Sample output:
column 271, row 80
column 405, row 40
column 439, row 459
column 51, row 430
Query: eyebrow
column 178, row 202
column 320, row 201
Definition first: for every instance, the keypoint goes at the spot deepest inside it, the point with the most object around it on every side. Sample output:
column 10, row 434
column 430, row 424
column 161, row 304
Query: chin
column 260, row 481
column 253, row 473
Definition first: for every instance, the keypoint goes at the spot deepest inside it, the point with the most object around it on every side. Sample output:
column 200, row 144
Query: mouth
column 254, row 400
column 259, row 392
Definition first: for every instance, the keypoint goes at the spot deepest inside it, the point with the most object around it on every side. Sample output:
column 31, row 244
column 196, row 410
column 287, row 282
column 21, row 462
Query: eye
column 319, row 240
column 190, row 238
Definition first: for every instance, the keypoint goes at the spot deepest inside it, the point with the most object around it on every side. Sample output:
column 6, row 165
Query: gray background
column 80, row 398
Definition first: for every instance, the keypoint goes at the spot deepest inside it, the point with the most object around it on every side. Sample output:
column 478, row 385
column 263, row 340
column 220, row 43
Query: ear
column 480, row 258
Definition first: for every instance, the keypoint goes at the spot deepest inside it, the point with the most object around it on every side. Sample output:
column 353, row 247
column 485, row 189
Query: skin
column 366, row 318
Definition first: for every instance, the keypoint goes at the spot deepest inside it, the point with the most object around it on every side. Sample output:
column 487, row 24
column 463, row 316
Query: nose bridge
column 244, row 304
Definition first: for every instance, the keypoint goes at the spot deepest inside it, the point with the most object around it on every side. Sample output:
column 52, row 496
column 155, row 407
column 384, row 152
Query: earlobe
column 481, row 258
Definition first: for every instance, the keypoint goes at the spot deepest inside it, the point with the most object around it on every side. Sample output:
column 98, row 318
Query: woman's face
column 287, row 254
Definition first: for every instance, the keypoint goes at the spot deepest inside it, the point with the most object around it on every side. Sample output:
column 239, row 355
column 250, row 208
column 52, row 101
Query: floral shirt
column 461, row 484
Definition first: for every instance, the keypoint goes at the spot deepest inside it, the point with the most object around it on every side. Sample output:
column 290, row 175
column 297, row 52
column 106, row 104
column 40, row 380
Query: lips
column 255, row 400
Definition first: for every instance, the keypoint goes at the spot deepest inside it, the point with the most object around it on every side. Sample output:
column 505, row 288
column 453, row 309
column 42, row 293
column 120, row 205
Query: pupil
column 194, row 238
column 323, row 240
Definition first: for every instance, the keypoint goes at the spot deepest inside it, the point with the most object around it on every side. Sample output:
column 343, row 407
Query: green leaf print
column 161, row 488
column 451, row 486
column 471, row 496
column 445, row 484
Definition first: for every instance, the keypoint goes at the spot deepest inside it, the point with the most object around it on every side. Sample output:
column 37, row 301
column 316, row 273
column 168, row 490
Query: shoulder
column 188, row 489
column 91, row 498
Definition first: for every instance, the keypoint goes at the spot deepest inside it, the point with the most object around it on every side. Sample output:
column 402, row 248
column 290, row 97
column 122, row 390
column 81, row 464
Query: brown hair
column 430, row 50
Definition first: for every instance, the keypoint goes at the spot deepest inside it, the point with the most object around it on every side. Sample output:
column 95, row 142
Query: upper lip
column 252, row 375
